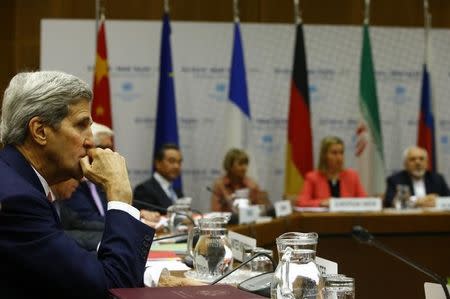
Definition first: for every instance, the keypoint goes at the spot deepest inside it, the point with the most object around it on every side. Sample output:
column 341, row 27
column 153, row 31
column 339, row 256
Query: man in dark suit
column 424, row 185
column 158, row 190
column 87, row 233
column 45, row 127
column 89, row 201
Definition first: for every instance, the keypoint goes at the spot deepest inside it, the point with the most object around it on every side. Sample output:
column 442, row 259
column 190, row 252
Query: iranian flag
column 369, row 142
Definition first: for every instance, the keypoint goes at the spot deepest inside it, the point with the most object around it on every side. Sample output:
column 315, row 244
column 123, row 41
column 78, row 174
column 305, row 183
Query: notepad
column 163, row 255
column 197, row 292
column 177, row 248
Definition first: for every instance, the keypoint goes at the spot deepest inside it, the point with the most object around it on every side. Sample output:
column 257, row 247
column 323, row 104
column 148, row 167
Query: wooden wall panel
column 7, row 15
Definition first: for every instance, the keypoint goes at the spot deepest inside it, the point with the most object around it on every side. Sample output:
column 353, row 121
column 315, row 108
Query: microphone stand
column 243, row 264
column 155, row 207
column 170, row 237
column 363, row 236
column 223, row 201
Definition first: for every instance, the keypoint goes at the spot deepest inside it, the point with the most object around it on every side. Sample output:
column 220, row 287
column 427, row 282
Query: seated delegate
column 331, row 179
column 235, row 180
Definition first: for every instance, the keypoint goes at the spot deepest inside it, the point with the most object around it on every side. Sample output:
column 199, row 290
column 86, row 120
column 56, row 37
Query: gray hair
column 46, row 94
column 98, row 129
column 410, row 148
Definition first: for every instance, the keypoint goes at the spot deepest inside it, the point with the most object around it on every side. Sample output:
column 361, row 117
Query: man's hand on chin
column 108, row 169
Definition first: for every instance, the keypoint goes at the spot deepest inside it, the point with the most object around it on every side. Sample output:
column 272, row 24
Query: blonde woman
column 331, row 179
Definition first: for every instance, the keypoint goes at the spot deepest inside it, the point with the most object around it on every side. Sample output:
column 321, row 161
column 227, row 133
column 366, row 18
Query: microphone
column 170, row 237
column 234, row 219
column 149, row 205
column 363, row 236
column 164, row 210
column 259, row 284
column 155, row 207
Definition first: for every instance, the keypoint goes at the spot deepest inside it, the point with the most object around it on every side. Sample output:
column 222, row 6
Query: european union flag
column 166, row 118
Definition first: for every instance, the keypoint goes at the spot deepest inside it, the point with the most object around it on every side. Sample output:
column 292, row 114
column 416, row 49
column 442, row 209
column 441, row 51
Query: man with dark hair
column 158, row 190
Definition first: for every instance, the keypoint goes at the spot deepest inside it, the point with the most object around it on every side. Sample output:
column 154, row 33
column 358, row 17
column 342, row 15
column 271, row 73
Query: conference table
column 422, row 236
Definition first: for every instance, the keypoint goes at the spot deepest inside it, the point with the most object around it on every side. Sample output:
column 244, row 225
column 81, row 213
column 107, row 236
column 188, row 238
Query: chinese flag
column 101, row 105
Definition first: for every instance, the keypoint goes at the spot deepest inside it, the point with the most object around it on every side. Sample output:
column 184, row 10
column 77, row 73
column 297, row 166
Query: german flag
column 299, row 156
column 101, row 104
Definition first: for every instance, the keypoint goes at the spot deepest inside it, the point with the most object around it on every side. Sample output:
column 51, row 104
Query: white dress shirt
column 419, row 188
column 166, row 186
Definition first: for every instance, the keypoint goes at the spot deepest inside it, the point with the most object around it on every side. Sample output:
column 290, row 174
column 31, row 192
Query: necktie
column 173, row 194
column 54, row 203
column 96, row 198
column 49, row 197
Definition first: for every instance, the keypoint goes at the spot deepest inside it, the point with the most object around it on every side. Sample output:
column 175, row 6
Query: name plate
column 370, row 204
column 282, row 208
column 239, row 243
column 248, row 214
column 434, row 290
column 326, row 266
column 443, row 203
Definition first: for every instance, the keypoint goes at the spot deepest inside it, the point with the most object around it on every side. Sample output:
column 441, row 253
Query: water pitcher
column 212, row 254
column 180, row 216
column 297, row 275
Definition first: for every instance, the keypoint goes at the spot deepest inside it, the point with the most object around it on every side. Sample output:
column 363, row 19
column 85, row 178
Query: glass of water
column 338, row 286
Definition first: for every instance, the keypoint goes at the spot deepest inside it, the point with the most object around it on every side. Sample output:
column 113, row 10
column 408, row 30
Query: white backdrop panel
column 201, row 58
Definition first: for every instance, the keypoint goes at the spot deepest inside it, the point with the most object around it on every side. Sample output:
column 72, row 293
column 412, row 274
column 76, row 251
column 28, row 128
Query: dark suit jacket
column 40, row 260
column 434, row 183
column 87, row 233
column 82, row 202
column 152, row 193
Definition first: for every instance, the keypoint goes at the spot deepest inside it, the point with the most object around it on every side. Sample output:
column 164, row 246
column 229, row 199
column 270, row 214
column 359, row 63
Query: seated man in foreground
column 45, row 127
column 424, row 185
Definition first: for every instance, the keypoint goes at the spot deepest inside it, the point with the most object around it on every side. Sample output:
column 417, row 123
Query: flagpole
column 97, row 14
column 366, row 12
column 166, row 7
column 427, row 26
column 297, row 13
column 236, row 11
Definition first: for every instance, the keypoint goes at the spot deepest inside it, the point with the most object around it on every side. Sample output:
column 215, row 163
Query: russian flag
column 426, row 132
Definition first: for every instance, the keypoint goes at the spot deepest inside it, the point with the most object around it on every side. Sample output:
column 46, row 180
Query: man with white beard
column 424, row 185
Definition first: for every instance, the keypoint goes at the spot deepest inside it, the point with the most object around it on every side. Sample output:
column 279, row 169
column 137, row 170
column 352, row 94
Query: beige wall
column 20, row 30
